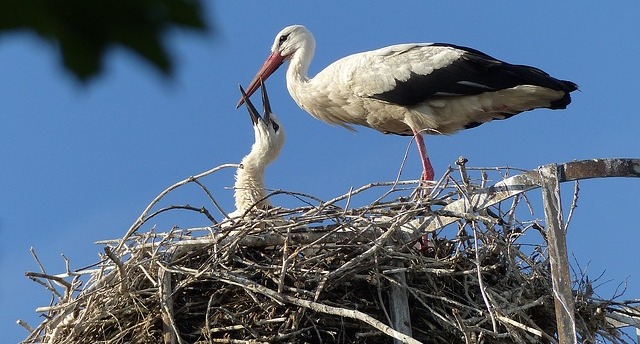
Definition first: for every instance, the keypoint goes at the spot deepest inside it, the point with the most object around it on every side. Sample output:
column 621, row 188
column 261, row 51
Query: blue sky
column 80, row 162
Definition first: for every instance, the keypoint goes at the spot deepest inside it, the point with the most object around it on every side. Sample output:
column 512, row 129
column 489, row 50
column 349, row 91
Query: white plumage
column 269, row 138
column 411, row 89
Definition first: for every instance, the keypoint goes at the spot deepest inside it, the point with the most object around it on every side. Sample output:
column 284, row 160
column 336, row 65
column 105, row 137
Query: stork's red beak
column 270, row 65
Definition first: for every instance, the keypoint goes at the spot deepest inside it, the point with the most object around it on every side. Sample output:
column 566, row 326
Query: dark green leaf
column 84, row 30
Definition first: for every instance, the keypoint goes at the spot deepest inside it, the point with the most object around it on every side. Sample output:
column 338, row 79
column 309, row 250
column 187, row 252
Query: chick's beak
column 253, row 113
column 266, row 106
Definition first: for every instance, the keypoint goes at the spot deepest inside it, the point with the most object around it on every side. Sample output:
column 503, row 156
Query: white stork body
column 269, row 138
column 411, row 89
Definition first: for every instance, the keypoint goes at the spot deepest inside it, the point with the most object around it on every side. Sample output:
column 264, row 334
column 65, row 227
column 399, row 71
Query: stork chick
column 269, row 139
column 411, row 89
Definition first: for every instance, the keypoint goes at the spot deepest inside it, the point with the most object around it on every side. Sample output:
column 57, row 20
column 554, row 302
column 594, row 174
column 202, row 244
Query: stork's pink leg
column 427, row 175
column 427, row 169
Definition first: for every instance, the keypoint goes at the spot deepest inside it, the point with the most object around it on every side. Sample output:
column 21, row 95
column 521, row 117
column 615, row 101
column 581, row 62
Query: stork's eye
column 283, row 38
column 275, row 126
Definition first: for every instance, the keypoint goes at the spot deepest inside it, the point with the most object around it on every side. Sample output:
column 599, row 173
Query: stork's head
column 287, row 42
column 269, row 134
column 291, row 39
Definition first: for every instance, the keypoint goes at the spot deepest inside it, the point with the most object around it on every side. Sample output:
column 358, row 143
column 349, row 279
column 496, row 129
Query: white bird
column 411, row 89
column 269, row 138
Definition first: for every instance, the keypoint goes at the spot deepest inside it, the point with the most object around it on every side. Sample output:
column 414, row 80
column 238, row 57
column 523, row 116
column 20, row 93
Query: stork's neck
column 297, row 73
column 249, row 186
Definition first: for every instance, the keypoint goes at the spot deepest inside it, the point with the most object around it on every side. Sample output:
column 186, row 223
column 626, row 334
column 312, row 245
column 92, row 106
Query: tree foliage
column 82, row 30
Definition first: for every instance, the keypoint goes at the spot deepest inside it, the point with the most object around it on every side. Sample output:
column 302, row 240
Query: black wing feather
column 473, row 73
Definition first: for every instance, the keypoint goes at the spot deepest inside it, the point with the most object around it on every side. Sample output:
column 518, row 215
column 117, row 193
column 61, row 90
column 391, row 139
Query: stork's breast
column 385, row 117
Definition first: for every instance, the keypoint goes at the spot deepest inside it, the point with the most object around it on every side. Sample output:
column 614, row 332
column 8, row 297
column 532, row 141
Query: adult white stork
column 269, row 138
column 411, row 89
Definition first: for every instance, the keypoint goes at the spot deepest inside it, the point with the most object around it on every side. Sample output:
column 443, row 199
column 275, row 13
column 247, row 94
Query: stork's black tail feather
column 562, row 103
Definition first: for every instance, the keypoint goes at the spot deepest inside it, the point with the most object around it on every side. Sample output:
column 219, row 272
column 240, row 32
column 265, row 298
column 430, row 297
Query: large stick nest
column 323, row 272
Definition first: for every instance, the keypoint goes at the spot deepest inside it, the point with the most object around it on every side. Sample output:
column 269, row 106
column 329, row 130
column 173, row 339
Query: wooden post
column 399, row 304
column 556, row 237
column 166, row 306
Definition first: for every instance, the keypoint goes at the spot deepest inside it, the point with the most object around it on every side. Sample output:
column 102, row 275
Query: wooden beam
column 483, row 198
column 558, row 257
column 399, row 303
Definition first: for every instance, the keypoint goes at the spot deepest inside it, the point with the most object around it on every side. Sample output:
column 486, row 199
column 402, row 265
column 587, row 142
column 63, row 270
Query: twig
column 519, row 325
column 121, row 269
column 404, row 159
column 573, row 206
column 481, row 281
column 142, row 218
column 465, row 329
column 285, row 261
column 42, row 269
column 461, row 162
column 35, row 276
column 378, row 284
column 213, row 200
column 346, row 206
column 25, row 325
column 201, row 210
